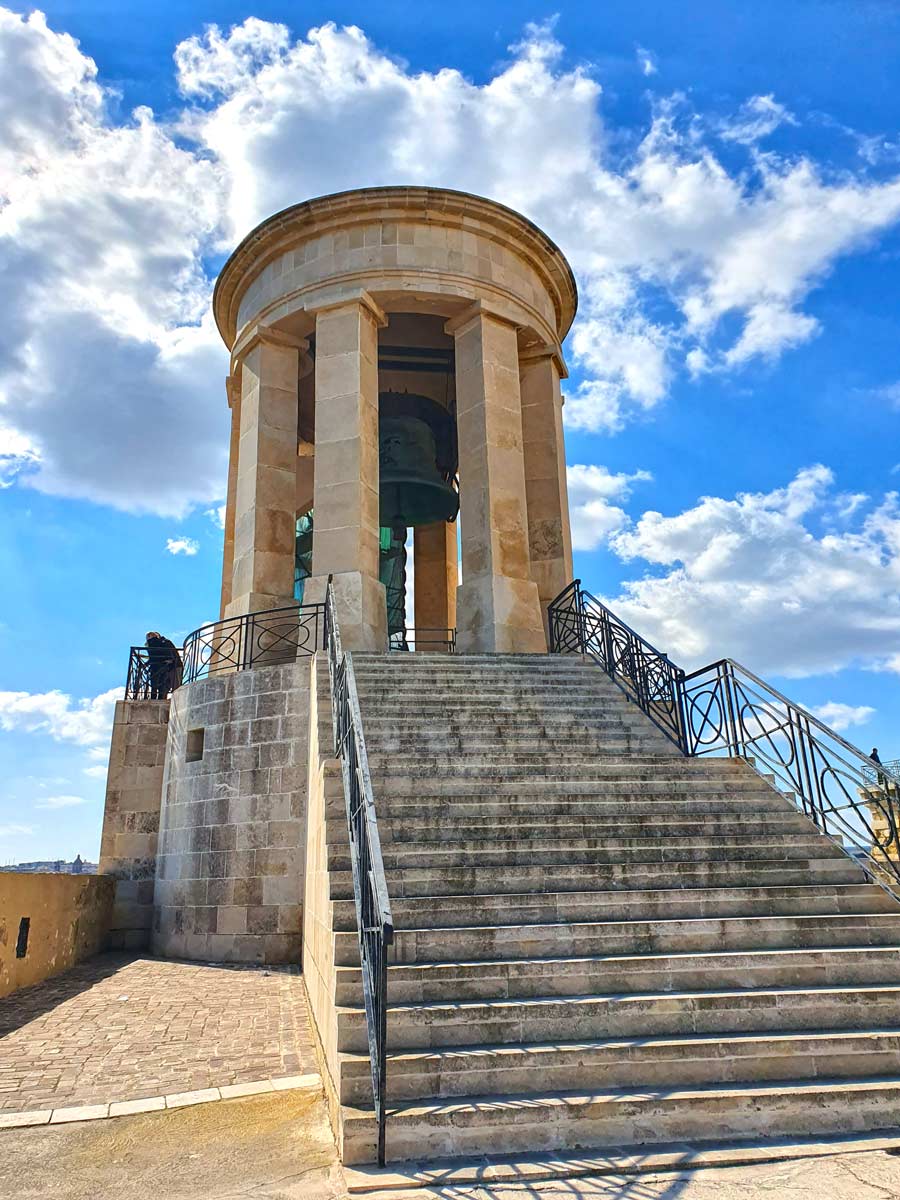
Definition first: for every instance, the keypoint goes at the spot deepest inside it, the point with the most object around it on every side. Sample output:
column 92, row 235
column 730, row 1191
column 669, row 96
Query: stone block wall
column 68, row 920
column 131, row 816
column 229, row 881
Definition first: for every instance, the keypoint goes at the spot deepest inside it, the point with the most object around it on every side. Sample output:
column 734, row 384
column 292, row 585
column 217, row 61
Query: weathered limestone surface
column 263, row 573
column 498, row 606
column 549, row 534
column 435, row 556
column 327, row 823
column 69, row 920
column 346, row 476
column 131, row 816
column 335, row 269
column 229, row 880
column 234, row 402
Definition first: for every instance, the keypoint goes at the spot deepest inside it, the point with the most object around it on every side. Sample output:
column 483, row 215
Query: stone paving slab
column 120, row 1027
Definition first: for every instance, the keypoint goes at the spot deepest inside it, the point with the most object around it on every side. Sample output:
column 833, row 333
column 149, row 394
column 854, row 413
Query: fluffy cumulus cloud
column 84, row 722
column 110, row 375
column 843, row 716
column 183, row 545
column 765, row 579
column 110, row 370
column 593, row 491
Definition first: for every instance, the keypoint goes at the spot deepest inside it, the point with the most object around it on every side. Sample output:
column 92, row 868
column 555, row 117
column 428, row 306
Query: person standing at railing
column 882, row 778
column 164, row 665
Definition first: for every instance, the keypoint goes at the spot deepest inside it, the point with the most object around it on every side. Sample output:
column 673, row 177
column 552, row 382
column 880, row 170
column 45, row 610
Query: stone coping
column 438, row 205
column 147, row 1104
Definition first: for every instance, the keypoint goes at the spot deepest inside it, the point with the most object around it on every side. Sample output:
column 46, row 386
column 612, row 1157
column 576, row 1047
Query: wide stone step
column 621, row 1117
column 627, row 1063
column 510, row 749
column 489, row 719
column 534, row 827
column 838, row 1003
column 599, row 800
column 492, row 760
column 400, row 856
column 460, row 881
column 653, row 904
column 675, row 936
column 631, row 773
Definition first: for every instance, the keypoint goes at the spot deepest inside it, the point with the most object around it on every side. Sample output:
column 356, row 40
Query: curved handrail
column 724, row 708
column 374, row 922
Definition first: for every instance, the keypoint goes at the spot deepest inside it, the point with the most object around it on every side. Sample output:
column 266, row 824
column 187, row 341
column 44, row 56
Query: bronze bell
column 412, row 489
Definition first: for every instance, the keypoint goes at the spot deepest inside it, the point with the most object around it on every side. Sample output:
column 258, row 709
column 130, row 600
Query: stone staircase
column 598, row 941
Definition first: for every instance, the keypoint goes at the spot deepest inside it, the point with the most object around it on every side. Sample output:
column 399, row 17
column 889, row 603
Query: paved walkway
column 119, row 1027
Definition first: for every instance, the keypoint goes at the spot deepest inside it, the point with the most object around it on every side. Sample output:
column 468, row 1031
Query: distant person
column 164, row 664
column 882, row 779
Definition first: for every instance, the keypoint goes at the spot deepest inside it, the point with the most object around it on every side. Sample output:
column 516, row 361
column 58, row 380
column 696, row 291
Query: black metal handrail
column 424, row 639
column 725, row 709
column 887, row 772
column 580, row 624
column 374, row 922
column 257, row 639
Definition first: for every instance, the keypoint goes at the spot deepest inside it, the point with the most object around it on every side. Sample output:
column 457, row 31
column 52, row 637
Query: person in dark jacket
column 164, row 665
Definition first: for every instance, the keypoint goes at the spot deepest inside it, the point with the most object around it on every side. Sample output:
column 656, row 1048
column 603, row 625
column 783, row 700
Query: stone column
column 346, row 533
column 435, row 577
column 265, row 495
column 549, row 535
column 233, row 389
column 498, row 608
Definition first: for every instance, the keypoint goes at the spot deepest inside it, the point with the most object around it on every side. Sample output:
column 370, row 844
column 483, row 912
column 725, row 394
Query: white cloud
column 55, row 802
column 183, row 545
column 646, row 60
column 16, row 454
column 591, row 491
column 85, row 722
column 752, row 579
column 100, row 771
column 216, row 515
column 890, row 392
column 842, row 716
column 110, row 367
column 760, row 116
column 12, row 830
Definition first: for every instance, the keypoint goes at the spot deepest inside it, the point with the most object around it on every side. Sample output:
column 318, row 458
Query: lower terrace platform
column 119, row 1028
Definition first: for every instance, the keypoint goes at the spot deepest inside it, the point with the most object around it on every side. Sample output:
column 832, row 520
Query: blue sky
column 726, row 182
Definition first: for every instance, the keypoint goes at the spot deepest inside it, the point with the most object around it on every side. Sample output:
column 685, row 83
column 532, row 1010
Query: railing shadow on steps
column 373, row 907
column 726, row 709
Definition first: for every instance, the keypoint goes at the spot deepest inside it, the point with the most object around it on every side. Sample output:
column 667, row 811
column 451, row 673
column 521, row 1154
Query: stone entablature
column 449, row 248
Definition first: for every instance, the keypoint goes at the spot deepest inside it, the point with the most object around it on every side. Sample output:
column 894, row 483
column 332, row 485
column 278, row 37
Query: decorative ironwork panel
column 725, row 709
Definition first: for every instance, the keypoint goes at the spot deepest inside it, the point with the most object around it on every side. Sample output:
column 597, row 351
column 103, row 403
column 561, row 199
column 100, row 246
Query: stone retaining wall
column 67, row 917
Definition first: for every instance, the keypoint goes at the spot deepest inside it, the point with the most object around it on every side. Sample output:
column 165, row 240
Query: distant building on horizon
column 55, row 866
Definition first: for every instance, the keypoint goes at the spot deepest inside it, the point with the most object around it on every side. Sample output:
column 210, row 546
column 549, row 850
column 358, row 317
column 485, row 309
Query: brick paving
column 120, row 1027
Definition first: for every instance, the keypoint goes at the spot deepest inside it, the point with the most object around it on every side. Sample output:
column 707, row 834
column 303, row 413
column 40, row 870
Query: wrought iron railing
column 373, row 908
column 888, row 772
column 579, row 623
column 441, row 641
column 254, row 640
column 152, row 674
column 725, row 709
column 257, row 639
